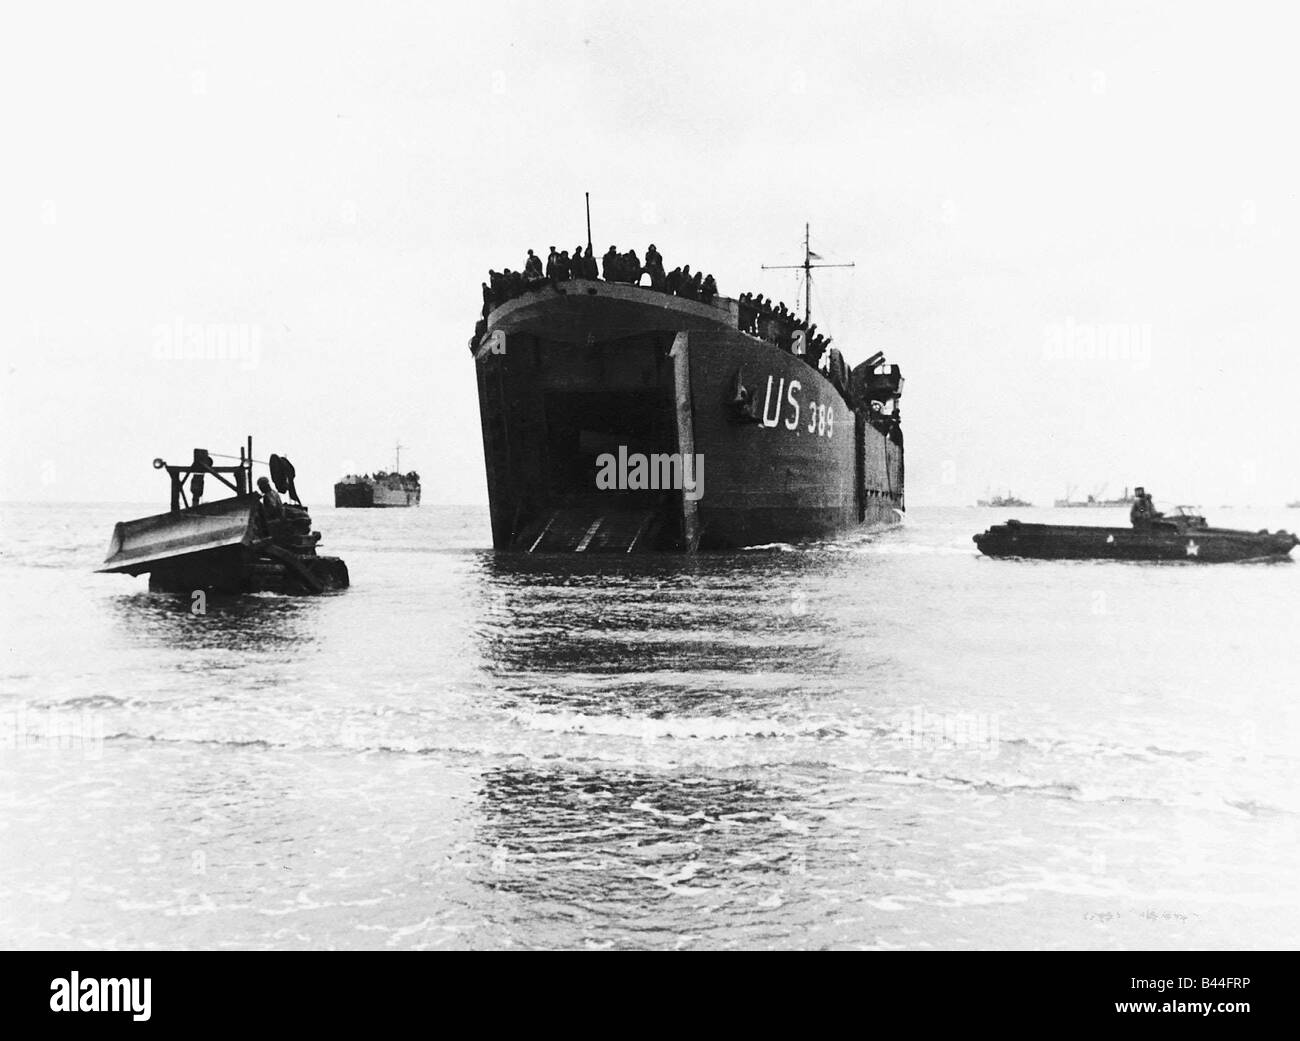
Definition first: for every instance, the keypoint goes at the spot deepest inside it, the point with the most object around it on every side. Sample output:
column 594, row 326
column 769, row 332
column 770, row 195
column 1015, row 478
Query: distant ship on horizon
column 1094, row 501
column 383, row 489
column 1003, row 500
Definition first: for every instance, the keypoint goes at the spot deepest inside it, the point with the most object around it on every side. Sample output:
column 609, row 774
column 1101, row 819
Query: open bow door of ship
column 591, row 477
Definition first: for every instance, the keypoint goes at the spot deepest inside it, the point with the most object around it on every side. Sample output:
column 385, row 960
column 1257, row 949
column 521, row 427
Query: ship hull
column 797, row 473
column 362, row 495
column 571, row 380
column 396, row 497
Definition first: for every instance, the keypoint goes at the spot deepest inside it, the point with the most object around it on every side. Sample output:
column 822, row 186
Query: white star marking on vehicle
column 1193, row 550
column 1110, row 538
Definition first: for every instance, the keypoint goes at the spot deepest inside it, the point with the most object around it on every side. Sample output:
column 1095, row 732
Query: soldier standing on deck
column 1143, row 511
column 533, row 268
column 654, row 265
column 201, row 462
column 816, row 345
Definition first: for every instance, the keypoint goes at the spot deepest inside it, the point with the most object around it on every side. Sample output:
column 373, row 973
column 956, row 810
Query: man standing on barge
column 1143, row 511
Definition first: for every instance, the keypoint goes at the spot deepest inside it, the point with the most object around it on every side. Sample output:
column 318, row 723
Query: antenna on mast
column 588, row 195
column 397, row 459
column 807, row 268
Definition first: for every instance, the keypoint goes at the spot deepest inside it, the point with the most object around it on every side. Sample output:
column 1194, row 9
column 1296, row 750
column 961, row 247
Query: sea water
column 881, row 741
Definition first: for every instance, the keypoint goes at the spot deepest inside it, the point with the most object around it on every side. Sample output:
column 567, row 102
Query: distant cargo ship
column 1093, row 501
column 381, row 489
column 1003, row 500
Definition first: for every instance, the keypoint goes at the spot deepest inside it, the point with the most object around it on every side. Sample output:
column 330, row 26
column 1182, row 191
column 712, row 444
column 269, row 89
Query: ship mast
column 397, row 459
column 807, row 267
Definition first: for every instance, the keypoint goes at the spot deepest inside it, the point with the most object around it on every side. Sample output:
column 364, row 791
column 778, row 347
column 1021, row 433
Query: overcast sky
column 1018, row 184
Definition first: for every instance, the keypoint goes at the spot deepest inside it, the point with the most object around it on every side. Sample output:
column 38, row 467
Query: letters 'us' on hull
column 619, row 418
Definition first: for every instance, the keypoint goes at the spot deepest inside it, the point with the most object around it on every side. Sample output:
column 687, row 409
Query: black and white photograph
column 609, row 476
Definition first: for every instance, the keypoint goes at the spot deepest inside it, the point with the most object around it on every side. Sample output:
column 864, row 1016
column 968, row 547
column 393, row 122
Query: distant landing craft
column 381, row 490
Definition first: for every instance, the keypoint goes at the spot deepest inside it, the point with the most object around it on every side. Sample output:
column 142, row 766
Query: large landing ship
column 621, row 417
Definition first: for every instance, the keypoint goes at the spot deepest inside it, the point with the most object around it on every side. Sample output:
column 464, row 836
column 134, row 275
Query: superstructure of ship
column 1094, row 501
column 382, row 489
column 722, row 426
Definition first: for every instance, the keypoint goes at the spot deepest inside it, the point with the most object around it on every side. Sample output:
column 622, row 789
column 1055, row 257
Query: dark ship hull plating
column 586, row 369
column 365, row 494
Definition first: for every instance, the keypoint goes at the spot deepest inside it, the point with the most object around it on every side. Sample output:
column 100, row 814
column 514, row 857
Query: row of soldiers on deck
column 756, row 311
column 561, row 266
column 753, row 307
column 758, row 315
